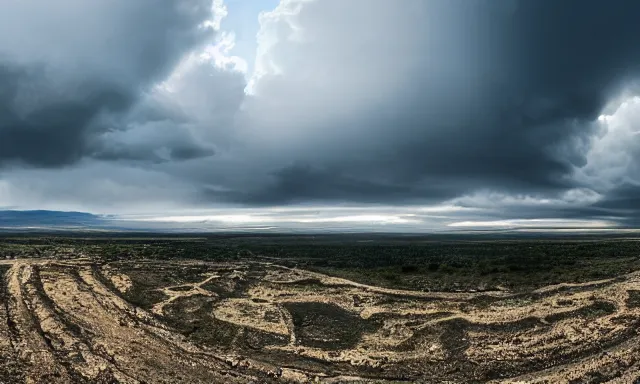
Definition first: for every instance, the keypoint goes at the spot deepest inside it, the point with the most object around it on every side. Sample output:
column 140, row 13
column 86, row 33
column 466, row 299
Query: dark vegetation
column 327, row 326
column 634, row 299
column 443, row 263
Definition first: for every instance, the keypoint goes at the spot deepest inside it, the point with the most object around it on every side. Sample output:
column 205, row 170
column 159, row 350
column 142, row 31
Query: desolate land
column 330, row 309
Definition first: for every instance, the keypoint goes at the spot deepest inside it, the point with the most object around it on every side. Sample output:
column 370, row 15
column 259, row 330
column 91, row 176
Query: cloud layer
column 70, row 69
column 525, row 109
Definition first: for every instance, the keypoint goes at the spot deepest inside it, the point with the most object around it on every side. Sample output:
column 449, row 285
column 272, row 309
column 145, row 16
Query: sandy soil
column 79, row 321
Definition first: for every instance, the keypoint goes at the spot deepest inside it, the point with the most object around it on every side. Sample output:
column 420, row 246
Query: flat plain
column 336, row 309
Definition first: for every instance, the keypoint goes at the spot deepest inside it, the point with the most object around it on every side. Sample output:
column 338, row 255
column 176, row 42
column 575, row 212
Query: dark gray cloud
column 623, row 202
column 55, row 133
column 302, row 184
column 484, row 94
column 66, row 68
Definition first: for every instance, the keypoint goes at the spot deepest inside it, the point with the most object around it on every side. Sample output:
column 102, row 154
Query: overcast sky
column 447, row 112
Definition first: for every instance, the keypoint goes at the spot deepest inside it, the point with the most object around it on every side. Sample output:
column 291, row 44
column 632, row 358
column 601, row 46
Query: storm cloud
column 481, row 94
column 69, row 67
column 520, row 108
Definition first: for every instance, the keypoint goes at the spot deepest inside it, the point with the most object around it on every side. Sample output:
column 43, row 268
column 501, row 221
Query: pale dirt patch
column 120, row 281
column 263, row 316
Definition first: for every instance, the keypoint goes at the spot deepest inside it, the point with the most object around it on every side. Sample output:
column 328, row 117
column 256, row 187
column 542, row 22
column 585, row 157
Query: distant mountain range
column 49, row 219
column 60, row 221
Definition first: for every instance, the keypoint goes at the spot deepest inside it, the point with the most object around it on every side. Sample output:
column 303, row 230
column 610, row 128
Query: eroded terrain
column 83, row 321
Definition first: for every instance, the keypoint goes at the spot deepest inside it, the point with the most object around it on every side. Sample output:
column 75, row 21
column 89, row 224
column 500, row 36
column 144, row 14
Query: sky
column 413, row 114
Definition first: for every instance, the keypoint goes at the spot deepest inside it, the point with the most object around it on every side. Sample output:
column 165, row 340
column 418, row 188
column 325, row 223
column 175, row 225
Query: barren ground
column 81, row 320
